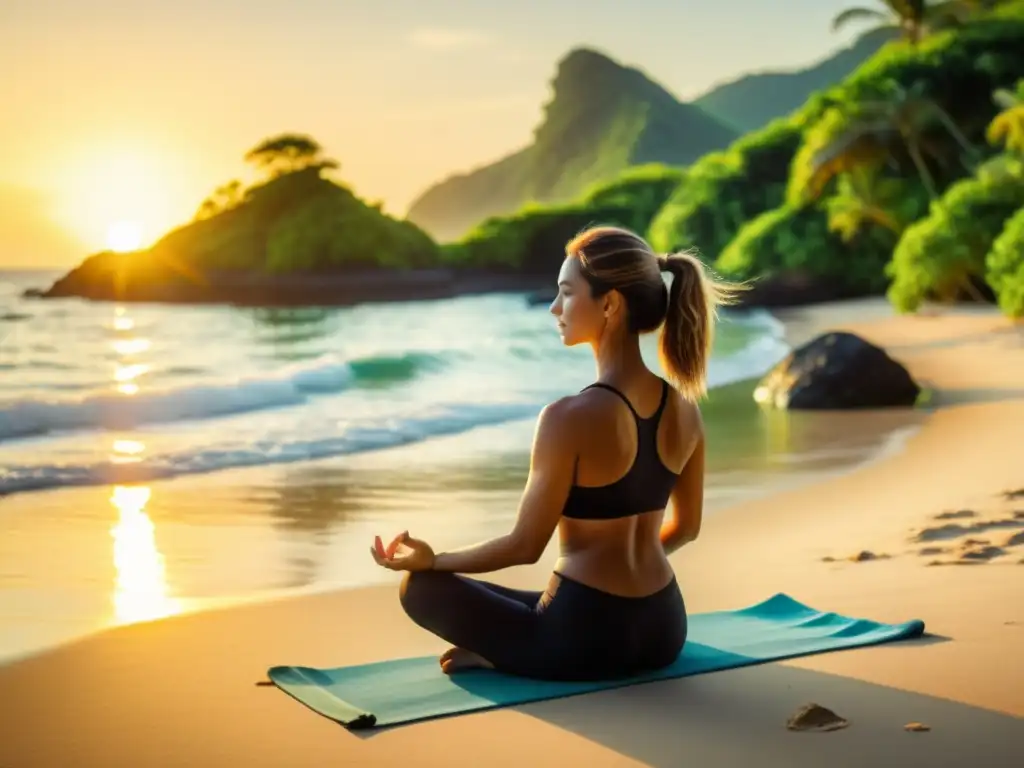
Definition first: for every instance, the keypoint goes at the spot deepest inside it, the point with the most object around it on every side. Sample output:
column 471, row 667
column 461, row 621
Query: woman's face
column 581, row 317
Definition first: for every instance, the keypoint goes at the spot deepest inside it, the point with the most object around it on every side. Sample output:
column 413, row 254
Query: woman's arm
column 687, row 502
column 552, row 463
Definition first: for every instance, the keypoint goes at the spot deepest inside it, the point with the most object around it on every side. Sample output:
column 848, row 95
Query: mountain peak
column 602, row 118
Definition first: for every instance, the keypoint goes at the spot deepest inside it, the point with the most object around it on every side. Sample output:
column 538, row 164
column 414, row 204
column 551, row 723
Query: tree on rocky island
column 287, row 153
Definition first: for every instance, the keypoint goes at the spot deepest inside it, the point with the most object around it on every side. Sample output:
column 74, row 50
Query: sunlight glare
column 124, row 236
column 140, row 590
column 127, row 451
column 121, row 193
column 129, row 347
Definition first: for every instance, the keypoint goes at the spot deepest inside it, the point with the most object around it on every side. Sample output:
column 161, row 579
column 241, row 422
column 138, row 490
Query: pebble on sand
column 814, row 717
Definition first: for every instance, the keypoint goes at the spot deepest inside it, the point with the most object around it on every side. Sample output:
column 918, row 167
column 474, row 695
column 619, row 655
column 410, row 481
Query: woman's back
column 635, row 441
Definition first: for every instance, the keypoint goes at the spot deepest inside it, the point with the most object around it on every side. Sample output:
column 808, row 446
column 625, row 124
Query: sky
column 120, row 116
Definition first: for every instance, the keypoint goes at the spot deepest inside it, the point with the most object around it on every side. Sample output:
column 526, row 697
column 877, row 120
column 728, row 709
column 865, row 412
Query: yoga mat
column 406, row 690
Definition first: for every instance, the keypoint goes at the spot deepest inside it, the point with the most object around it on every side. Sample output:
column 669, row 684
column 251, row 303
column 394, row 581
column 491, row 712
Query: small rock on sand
column 918, row 727
column 1017, row 494
column 866, row 554
column 814, row 717
column 925, row 551
column 828, row 559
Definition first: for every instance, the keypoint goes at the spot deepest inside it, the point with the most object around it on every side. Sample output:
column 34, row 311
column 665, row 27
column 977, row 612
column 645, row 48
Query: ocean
column 156, row 459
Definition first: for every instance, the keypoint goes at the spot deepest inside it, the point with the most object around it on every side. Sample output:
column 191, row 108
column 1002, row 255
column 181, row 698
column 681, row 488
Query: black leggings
column 568, row 632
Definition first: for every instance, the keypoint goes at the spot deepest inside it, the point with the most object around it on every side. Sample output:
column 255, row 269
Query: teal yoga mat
column 405, row 690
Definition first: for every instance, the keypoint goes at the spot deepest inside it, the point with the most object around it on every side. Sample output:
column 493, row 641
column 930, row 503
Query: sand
column 181, row 692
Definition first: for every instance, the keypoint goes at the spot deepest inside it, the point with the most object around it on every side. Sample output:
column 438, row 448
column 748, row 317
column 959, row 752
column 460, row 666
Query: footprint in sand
column 1015, row 539
column 960, row 514
column 973, row 552
column 865, row 555
column 983, row 554
column 956, row 530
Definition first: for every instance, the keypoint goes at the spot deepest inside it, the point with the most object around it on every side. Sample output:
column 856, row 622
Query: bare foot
column 459, row 659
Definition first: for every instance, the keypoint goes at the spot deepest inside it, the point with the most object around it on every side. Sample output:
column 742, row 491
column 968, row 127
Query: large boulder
column 837, row 370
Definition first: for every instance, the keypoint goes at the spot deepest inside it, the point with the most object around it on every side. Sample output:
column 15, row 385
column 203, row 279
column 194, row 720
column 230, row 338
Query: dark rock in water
column 837, row 370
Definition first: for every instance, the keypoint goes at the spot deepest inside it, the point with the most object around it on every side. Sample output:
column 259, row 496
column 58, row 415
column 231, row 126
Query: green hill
column 752, row 101
column 602, row 118
column 296, row 225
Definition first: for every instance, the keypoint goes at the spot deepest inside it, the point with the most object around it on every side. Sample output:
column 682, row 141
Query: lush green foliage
column 942, row 256
column 954, row 71
column 297, row 221
column 533, row 239
column 1004, row 266
column 643, row 189
column 724, row 190
column 799, row 240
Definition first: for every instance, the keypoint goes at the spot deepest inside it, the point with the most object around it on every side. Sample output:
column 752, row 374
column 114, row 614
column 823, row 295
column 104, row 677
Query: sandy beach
column 934, row 530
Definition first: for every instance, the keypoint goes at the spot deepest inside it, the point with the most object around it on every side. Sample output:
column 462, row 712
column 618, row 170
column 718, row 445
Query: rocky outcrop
column 97, row 279
column 837, row 370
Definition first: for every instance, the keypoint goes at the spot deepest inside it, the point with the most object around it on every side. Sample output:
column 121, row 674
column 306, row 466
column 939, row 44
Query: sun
column 124, row 236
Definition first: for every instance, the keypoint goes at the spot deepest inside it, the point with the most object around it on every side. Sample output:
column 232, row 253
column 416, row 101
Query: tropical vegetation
column 902, row 179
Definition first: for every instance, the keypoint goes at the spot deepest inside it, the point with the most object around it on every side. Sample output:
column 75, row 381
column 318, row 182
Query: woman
column 605, row 464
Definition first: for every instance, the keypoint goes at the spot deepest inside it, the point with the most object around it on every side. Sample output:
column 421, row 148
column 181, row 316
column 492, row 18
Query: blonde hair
column 614, row 258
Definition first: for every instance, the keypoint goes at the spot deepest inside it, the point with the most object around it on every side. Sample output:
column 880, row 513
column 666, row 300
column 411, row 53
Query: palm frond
column 861, row 14
column 861, row 144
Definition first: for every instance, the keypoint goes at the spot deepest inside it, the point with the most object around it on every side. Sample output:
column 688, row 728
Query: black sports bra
column 644, row 488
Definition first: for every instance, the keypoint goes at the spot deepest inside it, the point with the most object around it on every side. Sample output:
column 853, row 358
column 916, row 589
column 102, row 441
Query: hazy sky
column 133, row 110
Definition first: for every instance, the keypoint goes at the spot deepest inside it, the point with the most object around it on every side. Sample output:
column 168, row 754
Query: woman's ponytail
column 689, row 330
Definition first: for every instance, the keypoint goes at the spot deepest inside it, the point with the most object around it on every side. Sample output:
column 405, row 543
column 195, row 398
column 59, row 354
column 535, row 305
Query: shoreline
column 200, row 668
column 381, row 286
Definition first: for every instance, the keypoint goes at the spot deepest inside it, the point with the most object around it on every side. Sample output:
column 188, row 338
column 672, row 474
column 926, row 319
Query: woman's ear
column 612, row 303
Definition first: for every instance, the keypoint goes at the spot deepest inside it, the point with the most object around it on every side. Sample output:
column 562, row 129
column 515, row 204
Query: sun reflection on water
column 140, row 589
column 127, row 373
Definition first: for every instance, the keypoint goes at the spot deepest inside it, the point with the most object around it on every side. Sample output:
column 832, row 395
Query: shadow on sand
column 738, row 717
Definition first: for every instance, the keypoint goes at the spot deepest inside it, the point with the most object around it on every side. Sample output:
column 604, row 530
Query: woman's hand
column 404, row 553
